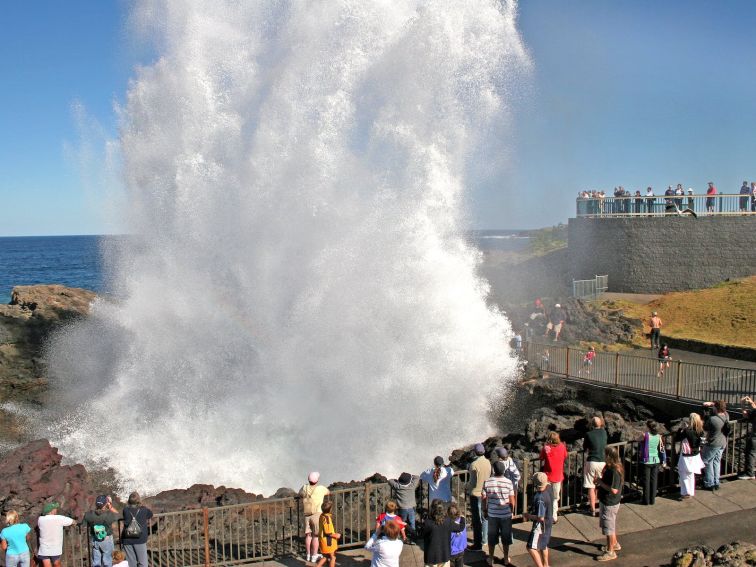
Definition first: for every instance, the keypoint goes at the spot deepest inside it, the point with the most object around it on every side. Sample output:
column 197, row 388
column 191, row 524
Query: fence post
column 525, row 478
column 206, row 533
column 568, row 362
column 678, row 387
column 616, row 368
column 367, row 510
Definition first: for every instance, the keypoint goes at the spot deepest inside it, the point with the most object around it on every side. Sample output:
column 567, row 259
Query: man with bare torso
column 656, row 324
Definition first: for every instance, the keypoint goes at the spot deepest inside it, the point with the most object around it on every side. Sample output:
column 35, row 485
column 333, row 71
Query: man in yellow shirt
column 480, row 471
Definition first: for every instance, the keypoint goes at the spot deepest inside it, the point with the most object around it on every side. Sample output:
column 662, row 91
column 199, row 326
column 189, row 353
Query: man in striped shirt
column 498, row 502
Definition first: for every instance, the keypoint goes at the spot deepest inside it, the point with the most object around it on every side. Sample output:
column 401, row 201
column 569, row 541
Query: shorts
column 539, row 537
column 608, row 518
column 311, row 523
column 51, row 558
column 591, row 469
column 557, row 328
column 499, row 529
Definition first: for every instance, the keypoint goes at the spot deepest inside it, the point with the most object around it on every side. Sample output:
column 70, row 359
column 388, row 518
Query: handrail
column 663, row 205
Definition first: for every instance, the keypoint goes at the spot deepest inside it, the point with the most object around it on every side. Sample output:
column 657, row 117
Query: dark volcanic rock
column 735, row 554
column 26, row 322
column 198, row 496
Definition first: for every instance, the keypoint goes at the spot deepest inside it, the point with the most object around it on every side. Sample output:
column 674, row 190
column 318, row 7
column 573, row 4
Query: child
column 588, row 360
column 327, row 536
column 458, row 539
column 664, row 358
column 540, row 514
column 390, row 514
column 119, row 558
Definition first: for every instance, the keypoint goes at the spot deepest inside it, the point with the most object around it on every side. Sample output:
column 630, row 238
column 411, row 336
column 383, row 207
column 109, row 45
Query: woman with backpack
column 690, row 464
column 135, row 531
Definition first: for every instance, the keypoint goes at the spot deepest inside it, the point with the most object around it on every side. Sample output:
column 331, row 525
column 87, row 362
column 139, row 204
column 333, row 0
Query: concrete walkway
column 649, row 535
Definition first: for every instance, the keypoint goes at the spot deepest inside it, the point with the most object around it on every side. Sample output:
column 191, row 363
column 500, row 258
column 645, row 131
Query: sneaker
column 715, row 487
column 746, row 477
column 617, row 547
column 309, row 559
column 608, row 556
column 316, row 557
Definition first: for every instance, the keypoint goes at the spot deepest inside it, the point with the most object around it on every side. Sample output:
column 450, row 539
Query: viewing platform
column 662, row 205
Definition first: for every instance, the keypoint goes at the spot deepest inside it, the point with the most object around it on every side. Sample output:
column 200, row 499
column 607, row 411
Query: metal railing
column 675, row 378
column 241, row 534
column 660, row 205
column 590, row 289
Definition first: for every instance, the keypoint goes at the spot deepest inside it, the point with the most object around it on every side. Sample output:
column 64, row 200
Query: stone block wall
column 662, row 254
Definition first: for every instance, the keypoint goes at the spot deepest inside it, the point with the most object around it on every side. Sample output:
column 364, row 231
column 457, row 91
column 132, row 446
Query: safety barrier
column 674, row 378
column 241, row 534
column 664, row 205
column 590, row 289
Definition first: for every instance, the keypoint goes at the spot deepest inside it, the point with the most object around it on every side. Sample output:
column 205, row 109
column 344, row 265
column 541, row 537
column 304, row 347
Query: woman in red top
column 710, row 200
column 552, row 457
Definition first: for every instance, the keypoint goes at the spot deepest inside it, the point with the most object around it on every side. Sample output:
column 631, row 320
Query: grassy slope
column 724, row 314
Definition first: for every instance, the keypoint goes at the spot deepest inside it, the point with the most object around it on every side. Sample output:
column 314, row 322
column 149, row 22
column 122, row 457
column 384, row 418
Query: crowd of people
column 646, row 202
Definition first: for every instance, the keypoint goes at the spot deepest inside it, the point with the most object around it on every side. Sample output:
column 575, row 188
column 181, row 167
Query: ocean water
column 73, row 261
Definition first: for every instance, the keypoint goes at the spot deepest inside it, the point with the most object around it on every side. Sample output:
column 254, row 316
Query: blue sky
column 634, row 93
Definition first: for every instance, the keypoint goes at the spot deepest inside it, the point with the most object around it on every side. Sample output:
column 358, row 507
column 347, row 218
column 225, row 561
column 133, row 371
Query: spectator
column 439, row 481
column 745, row 197
column 458, row 539
column 119, row 558
column 511, row 471
column 498, row 504
column 588, row 360
column 690, row 464
column 552, row 456
column 480, row 471
column 385, row 546
column 710, row 192
column 691, row 200
column 437, row 531
column 638, row 202
column 753, row 196
column 100, row 527
column 136, row 547
column 650, row 200
column 545, row 359
column 651, row 456
column 594, row 444
column 50, row 526
column 403, row 491
column 556, row 321
column 609, row 486
column 15, row 540
column 716, row 428
column 749, row 413
column 389, row 515
column 656, row 324
column 679, row 192
column 312, row 495
column 328, row 537
column 540, row 515
column 669, row 202
column 664, row 360
column 517, row 341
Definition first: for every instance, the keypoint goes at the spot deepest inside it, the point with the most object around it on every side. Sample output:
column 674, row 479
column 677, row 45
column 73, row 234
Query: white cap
column 690, row 189
column 557, row 305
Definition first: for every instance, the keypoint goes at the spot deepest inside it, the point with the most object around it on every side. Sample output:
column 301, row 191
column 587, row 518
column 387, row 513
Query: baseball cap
column 540, row 480
column 480, row 449
column 313, row 477
column 502, row 452
column 49, row 507
column 101, row 500
column 438, row 461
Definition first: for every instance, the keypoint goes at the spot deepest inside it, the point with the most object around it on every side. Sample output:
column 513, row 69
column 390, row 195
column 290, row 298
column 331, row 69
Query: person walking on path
column 439, row 479
column 716, row 427
column 609, row 486
column 16, row 541
column 136, row 546
column 540, row 515
column 665, row 358
column 437, row 531
column 749, row 412
column 553, row 455
column 480, row 471
column 651, row 455
column 690, row 464
column 594, row 444
column 498, row 504
column 403, row 491
column 656, row 324
column 385, row 545
column 556, row 321
column 312, row 495
column 50, row 526
column 100, row 527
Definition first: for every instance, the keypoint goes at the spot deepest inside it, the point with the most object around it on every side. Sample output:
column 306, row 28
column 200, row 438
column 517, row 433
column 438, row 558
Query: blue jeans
column 19, row 560
column 408, row 517
column 102, row 552
column 712, row 457
column 479, row 523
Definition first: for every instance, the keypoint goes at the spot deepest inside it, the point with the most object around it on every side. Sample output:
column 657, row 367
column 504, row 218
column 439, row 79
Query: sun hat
column 49, row 507
column 540, row 481
column 480, row 449
column 313, row 477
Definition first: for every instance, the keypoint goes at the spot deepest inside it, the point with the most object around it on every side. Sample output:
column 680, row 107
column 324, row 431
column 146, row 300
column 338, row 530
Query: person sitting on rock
column 50, row 526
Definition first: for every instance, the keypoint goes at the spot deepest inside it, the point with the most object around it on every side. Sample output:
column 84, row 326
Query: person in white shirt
column 385, row 545
column 50, row 526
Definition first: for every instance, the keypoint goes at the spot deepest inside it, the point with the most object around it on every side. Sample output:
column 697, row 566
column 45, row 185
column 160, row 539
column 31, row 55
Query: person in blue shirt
column 540, row 515
column 15, row 540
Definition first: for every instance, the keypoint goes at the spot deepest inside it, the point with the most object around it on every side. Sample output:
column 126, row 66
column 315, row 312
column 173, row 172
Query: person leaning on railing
column 717, row 428
column 749, row 413
column 690, row 464
column 16, row 541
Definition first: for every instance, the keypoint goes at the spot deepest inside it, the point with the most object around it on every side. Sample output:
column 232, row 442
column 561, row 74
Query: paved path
column 649, row 535
column 698, row 358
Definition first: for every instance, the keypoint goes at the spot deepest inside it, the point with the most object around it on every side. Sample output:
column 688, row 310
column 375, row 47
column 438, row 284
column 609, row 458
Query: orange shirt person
column 327, row 536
